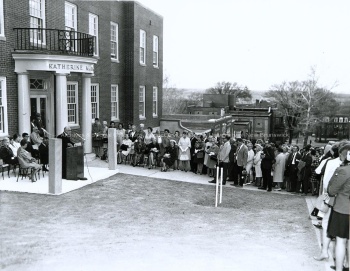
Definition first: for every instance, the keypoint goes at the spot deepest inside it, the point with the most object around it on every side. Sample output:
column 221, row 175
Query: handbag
column 321, row 205
column 301, row 165
column 200, row 154
column 213, row 157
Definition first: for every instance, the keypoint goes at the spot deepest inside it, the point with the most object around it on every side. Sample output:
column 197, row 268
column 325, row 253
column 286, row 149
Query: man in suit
column 193, row 140
column 292, row 168
column 241, row 158
column 268, row 159
column 232, row 167
column 305, row 173
column 224, row 156
column 66, row 143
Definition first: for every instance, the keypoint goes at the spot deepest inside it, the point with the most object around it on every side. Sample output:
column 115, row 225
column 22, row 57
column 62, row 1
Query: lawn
column 138, row 223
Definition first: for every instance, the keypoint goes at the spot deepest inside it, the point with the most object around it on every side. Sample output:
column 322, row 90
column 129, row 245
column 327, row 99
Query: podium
column 74, row 163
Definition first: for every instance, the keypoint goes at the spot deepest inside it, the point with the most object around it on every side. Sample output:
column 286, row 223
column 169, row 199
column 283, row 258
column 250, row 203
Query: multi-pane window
column 72, row 102
column 114, row 102
column 93, row 30
column 37, row 20
column 142, row 47
column 155, row 102
column 71, row 26
column 95, row 90
column 3, row 106
column 114, row 41
column 142, row 109
column 155, row 51
column 2, row 30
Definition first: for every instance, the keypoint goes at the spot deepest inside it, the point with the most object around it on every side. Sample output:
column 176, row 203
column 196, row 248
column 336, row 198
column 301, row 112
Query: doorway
column 38, row 104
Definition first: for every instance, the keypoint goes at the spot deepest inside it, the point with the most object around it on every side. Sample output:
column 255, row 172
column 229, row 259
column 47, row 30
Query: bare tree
column 230, row 88
column 303, row 103
column 174, row 101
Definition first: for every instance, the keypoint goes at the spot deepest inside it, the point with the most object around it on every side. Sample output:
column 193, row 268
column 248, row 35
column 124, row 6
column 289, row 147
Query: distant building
column 253, row 121
column 73, row 61
column 336, row 128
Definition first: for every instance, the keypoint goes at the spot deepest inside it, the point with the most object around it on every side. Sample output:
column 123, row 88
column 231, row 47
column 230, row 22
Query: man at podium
column 68, row 143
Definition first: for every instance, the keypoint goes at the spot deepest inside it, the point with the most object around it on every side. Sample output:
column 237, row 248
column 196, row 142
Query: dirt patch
column 137, row 223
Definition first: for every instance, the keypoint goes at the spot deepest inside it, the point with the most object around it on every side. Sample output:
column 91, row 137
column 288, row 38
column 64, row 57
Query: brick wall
column 127, row 73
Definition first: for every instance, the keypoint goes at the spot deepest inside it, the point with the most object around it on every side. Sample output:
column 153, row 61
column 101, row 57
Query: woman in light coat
column 257, row 163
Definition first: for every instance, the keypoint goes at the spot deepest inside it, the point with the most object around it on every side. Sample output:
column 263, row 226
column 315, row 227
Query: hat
column 239, row 139
column 345, row 147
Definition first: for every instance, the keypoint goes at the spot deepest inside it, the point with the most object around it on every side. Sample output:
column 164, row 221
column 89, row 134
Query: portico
column 48, row 94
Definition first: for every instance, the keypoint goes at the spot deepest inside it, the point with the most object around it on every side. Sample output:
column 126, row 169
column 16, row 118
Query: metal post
column 222, row 174
column 217, row 186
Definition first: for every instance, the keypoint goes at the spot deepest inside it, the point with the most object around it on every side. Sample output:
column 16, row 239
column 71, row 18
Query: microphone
column 83, row 139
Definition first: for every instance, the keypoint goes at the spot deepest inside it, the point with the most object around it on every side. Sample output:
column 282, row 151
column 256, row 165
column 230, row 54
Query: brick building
column 72, row 61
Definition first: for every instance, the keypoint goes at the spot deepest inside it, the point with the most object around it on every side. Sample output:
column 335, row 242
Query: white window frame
column 74, row 25
column 93, row 31
column 142, row 100
column 142, row 47
column 95, row 100
column 155, row 102
column 2, row 21
column 155, row 55
column 115, row 102
column 3, row 104
column 76, row 103
column 114, row 41
column 38, row 16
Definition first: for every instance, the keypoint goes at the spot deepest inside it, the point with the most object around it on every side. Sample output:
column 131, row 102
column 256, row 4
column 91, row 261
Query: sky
column 256, row 43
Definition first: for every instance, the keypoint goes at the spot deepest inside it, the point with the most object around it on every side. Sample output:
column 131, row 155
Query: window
column 72, row 102
column 346, row 119
column 326, row 119
column 95, row 91
column 2, row 28
column 341, row 119
column 3, row 106
column 114, row 41
column 93, row 30
column 142, row 109
column 114, row 102
column 142, row 47
column 37, row 20
column 335, row 120
column 155, row 102
column 71, row 26
column 155, row 51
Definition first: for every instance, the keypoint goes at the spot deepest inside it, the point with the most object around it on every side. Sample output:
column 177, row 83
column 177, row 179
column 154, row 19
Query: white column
column 86, row 125
column 23, row 103
column 61, row 102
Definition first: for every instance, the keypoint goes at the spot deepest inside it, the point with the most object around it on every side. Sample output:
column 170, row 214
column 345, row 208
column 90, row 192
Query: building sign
column 70, row 67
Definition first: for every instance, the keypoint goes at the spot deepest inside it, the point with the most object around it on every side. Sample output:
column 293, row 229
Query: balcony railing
column 55, row 41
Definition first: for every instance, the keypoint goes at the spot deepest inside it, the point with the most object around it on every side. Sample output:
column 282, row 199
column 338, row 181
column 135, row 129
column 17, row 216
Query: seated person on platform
column 36, row 138
column 139, row 148
column 97, row 143
column 169, row 156
column 38, row 123
column 16, row 141
column 44, row 153
column 29, row 148
column 124, row 149
column 14, row 147
column 26, row 160
column 6, row 153
column 152, row 150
